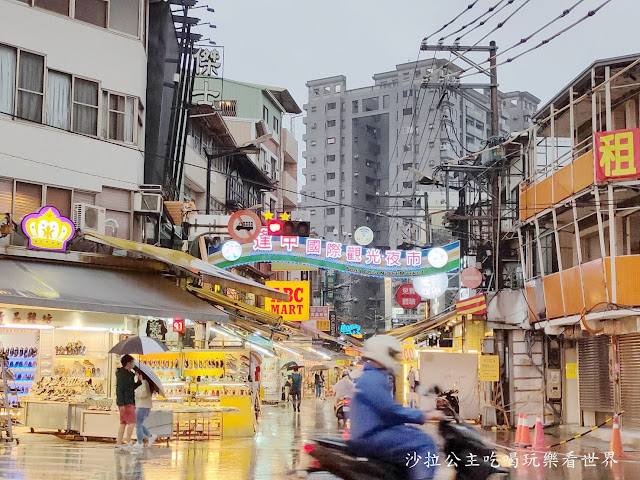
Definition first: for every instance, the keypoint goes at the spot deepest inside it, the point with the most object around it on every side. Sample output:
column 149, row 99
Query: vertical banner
column 617, row 154
column 330, row 283
column 333, row 322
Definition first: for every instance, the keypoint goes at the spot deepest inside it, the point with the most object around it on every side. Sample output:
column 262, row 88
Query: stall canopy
column 93, row 289
column 236, row 305
column 418, row 329
column 184, row 261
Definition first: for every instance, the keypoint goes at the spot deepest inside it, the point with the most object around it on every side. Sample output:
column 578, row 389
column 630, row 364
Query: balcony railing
column 587, row 287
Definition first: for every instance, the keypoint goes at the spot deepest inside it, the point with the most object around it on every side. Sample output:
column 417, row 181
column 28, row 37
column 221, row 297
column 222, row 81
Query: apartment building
column 364, row 145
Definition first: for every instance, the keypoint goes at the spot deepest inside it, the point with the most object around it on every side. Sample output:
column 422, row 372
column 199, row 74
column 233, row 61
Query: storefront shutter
column 59, row 198
column 596, row 391
column 28, row 200
column 6, row 195
column 630, row 379
column 84, row 197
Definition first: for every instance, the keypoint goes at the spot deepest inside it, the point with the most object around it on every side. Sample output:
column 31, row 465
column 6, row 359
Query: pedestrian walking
column 296, row 389
column 125, row 399
column 319, row 381
column 144, row 403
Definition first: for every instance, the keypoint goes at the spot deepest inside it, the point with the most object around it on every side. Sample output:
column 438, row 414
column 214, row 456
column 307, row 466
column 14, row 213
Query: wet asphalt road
column 274, row 453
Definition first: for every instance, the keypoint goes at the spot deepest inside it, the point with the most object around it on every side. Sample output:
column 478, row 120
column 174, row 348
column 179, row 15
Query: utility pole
column 427, row 219
column 495, row 179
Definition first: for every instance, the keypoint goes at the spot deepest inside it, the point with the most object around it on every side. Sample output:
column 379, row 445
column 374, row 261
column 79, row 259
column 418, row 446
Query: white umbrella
column 151, row 375
column 139, row 345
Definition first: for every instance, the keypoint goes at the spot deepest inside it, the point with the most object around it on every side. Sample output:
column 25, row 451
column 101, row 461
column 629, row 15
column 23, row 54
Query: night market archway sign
column 354, row 259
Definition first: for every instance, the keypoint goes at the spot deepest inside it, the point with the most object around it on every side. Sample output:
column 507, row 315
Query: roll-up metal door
column 28, row 200
column 6, row 195
column 596, row 390
column 630, row 379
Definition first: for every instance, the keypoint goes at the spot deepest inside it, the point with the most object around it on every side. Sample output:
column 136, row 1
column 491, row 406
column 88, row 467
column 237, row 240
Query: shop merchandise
column 64, row 389
column 19, row 352
column 156, row 329
column 76, row 348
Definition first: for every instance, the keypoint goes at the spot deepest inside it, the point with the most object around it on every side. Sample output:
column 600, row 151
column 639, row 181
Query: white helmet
column 385, row 350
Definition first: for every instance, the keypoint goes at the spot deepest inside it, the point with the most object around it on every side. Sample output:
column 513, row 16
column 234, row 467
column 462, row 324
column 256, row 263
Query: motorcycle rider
column 344, row 388
column 378, row 422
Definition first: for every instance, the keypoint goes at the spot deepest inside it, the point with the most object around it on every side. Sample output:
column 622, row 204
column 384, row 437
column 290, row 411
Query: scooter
column 341, row 409
column 448, row 402
column 333, row 455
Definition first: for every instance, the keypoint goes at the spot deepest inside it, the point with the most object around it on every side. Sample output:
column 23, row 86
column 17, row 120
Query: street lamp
column 252, row 146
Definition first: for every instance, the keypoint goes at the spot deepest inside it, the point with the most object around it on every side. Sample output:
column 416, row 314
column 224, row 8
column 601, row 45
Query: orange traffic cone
column 538, row 435
column 615, row 445
column 518, row 430
column 525, row 436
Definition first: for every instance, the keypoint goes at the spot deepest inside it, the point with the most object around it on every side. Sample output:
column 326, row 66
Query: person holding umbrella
column 125, row 399
column 144, row 403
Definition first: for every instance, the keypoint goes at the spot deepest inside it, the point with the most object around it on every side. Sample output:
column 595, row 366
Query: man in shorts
column 126, row 401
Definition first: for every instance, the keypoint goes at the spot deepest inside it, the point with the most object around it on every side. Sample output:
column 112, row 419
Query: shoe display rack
column 201, row 376
column 6, row 419
column 21, row 350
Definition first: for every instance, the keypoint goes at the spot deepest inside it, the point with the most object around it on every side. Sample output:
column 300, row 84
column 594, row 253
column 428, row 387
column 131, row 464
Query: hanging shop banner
column 333, row 323
column 488, row 368
column 330, row 283
column 409, row 351
column 48, row 230
column 617, row 154
column 475, row 305
column 321, row 315
column 407, row 297
column 354, row 259
column 297, row 308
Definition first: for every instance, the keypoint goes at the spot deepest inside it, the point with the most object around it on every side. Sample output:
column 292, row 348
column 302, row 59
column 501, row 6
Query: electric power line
column 469, row 7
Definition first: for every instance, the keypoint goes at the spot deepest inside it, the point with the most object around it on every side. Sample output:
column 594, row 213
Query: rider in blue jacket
column 378, row 423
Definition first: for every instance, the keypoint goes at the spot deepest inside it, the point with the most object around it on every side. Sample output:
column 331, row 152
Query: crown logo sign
column 48, row 230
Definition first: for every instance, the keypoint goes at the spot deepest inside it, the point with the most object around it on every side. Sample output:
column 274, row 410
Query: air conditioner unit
column 313, row 160
column 147, row 202
column 159, row 189
column 89, row 218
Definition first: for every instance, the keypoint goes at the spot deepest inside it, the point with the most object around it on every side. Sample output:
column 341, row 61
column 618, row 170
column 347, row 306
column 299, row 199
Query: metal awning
column 231, row 304
column 210, row 273
column 423, row 326
column 93, row 289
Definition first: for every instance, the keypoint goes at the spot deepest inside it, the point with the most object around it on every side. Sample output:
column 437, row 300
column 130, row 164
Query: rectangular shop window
column 407, row 93
column 407, row 111
column 331, row 123
column 313, row 143
column 118, row 117
column 57, row 6
column 313, row 109
column 354, row 106
column 265, row 114
column 313, row 212
column 58, row 111
column 276, row 125
column 331, row 140
column 341, row 210
column 124, row 16
column 407, row 184
column 85, row 106
column 385, row 101
column 8, row 57
column 342, row 194
column 30, row 86
column 331, row 158
column 406, row 166
column 331, row 106
column 479, row 125
column 338, row 88
column 342, row 158
column 331, row 175
column 92, row 11
column 331, row 211
column 316, row 92
column 327, row 89
column 331, row 193
column 342, row 176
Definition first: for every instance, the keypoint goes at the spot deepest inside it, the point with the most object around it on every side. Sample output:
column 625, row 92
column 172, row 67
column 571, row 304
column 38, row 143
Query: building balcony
column 290, row 186
column 289, row 147
column 587, row 287
column 541, row 195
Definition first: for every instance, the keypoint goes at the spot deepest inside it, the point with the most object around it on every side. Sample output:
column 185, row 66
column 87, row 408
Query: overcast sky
column 287, row 42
